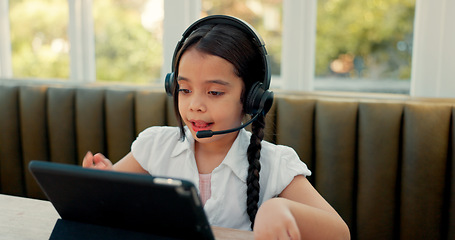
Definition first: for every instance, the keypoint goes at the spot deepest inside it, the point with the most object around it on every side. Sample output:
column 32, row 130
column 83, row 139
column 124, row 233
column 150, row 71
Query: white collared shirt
column 160, row 151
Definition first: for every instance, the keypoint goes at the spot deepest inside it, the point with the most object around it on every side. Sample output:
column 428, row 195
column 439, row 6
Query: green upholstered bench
column 385, row 162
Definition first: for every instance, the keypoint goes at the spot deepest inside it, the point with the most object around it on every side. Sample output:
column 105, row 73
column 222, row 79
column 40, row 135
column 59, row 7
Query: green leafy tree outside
column 124, row 50
column 374, row 38
column 255, row 17
column 35, row 25
column 368, row 31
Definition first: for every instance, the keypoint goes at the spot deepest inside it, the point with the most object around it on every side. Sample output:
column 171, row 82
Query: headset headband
column 235, row 22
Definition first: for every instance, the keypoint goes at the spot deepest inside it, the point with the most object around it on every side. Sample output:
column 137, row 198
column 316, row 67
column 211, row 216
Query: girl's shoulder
column 158, row 132
column 155, row 145
column 278, row 151
column 279, row 165
column 157, row 137
column 282, row 157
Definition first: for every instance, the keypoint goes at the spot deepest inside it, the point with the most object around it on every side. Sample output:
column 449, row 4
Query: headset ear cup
column 266, row 101
column 250, row 103
column 258, row 99
column 169, row 84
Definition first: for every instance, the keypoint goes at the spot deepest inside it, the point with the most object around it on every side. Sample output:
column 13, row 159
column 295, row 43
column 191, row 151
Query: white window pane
column 128, row 40
column 39, row 41
column 264, row 15
column 364, row 45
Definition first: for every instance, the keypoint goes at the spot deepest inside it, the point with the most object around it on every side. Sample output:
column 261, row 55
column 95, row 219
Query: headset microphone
column 210, row 133
column 259, row 102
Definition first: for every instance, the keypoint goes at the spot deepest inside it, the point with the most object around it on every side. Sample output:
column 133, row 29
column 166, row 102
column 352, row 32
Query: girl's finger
column 88, row 160
column 101, row 161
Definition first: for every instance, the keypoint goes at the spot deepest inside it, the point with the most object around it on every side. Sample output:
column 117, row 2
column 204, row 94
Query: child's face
column 209, row 95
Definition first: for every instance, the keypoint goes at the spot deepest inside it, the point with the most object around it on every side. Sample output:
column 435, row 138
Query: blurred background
column 359, row 45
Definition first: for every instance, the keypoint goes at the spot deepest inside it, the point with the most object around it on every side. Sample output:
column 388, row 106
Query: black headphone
column 259, row 99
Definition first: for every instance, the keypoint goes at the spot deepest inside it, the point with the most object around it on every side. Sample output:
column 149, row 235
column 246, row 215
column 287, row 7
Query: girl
column 244, row 182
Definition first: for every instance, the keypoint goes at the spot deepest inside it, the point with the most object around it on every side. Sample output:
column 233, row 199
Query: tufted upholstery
column 385, row 162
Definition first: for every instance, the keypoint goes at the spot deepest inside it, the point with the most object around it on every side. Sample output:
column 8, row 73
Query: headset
column 259, row 99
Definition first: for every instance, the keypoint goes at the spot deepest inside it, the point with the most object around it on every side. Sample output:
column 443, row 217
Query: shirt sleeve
column 290, row 167
column 139, row 147
column 152, row 145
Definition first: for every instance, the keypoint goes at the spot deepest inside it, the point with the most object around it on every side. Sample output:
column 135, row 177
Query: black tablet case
column 92, row 202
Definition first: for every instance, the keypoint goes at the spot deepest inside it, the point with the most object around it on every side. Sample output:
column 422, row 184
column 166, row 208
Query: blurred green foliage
column 264, row 15
column 35, row 26
column 124, row 50
column 376, row 33
column 365, row 39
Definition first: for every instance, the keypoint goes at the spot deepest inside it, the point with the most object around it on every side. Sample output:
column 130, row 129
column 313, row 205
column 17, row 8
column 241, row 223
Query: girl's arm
column 126, row 164
column 299, row 212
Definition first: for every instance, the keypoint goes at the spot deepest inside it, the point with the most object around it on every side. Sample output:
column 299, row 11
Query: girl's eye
column 215, row 93
column 185, row 91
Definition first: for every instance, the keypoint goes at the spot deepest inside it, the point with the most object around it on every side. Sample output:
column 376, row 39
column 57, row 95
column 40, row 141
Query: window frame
column 5, row 42
column 82, row 40
column 431, row 70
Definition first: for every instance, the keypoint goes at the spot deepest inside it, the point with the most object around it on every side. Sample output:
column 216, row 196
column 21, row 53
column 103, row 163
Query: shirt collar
column 186, row 144
column 236, row 158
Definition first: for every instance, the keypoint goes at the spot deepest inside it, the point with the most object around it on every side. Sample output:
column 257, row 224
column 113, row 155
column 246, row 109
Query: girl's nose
column 197, row 104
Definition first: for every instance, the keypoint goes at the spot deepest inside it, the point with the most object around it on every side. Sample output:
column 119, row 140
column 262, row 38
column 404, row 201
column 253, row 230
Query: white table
column 26, row 218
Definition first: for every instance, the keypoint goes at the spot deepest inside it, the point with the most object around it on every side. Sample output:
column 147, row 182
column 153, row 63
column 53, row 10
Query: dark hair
column 236, row 47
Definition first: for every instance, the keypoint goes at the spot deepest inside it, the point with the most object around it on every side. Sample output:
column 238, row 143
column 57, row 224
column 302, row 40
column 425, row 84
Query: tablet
column 134, row 202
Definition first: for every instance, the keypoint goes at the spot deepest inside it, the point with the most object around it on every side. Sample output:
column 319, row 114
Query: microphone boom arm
column 210, row 133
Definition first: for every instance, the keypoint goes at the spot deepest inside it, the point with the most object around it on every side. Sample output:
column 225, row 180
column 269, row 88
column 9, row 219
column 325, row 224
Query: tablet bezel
column 137, row 202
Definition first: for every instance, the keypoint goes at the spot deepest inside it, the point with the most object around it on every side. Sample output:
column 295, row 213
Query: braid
column 253, row 154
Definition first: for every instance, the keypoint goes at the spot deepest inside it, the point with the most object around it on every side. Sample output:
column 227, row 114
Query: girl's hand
column 274, row 220
column 99, row 161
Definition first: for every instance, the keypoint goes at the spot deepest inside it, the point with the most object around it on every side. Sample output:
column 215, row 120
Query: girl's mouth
column 199, row 125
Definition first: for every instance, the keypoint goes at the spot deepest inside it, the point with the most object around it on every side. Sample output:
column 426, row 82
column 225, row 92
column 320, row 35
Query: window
column 364, row 45
column 359, row 46
column 39, row 41
column 264, row 15
column 128, row 40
